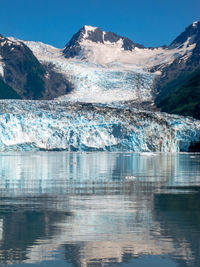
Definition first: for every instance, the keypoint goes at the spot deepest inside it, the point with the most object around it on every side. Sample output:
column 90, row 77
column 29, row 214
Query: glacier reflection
column 82, row 206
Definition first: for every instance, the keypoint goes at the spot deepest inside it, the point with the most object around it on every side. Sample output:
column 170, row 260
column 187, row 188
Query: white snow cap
column 195, row 23
column 89, row 28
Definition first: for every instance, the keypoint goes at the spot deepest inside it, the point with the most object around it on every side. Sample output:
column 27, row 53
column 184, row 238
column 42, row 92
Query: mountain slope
column 179, row 83
column 7, row 92
column 22, row 71
column 184, row 63
column 191, row 35
column 182, row 96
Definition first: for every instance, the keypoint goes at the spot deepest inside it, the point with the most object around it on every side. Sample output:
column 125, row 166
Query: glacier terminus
column 61, row 125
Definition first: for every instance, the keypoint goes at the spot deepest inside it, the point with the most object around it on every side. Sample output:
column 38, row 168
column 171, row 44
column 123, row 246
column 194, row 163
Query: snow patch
column 14, row 40
column 1, row 67
column 195, row 23
column 88, row 29
column 44, row 52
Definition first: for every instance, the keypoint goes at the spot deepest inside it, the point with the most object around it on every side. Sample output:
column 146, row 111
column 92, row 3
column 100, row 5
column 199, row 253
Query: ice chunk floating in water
column 54, row 125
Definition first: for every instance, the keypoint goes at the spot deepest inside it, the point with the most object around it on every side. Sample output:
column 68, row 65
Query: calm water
column 97, row 209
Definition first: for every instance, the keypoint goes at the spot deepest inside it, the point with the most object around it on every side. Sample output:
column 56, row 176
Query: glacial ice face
column 59, row 125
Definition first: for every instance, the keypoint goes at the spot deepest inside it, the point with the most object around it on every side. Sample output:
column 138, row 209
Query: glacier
column 105, row 73
column 110, row 106
column 61, row 125
column 94, row 83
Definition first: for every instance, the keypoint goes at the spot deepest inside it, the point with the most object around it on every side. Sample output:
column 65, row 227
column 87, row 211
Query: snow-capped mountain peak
column 88, row 28
column 89, row 35
column 191, row 34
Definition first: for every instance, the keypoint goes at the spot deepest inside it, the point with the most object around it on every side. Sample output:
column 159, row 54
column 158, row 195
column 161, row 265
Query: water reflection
column 99, row 208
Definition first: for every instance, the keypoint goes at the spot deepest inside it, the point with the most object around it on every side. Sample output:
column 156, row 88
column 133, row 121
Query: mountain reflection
column 99, row 208
column 179, row 219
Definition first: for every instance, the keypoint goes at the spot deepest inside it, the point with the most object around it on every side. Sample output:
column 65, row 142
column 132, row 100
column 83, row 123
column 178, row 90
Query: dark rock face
column 194, row 59
column 7, row 92
column 73, row 47
column 178, row 86
column 111, row 37
column 25, row 77
column 22, row 71
column 96, row 36
column 129, row 45
column 191, row 31
column 56, row 84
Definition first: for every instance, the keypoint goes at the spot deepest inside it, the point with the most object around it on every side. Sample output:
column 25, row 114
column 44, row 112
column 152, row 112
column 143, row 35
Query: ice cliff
column 61, row 125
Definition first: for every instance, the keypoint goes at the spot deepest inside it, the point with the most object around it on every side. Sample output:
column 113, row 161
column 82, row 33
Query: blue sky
column 150, row 22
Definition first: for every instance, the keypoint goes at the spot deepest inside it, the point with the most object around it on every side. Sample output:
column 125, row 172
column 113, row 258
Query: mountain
column 105, row 67
column 23, row 76
column 91, row 44
column 20, row 69
column 98, row 67
column 179, row 83
column 189, row 41
column 89, row 34
column 190, row 35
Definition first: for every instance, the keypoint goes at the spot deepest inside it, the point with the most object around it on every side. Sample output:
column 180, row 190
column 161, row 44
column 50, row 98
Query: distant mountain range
column 98, row 66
